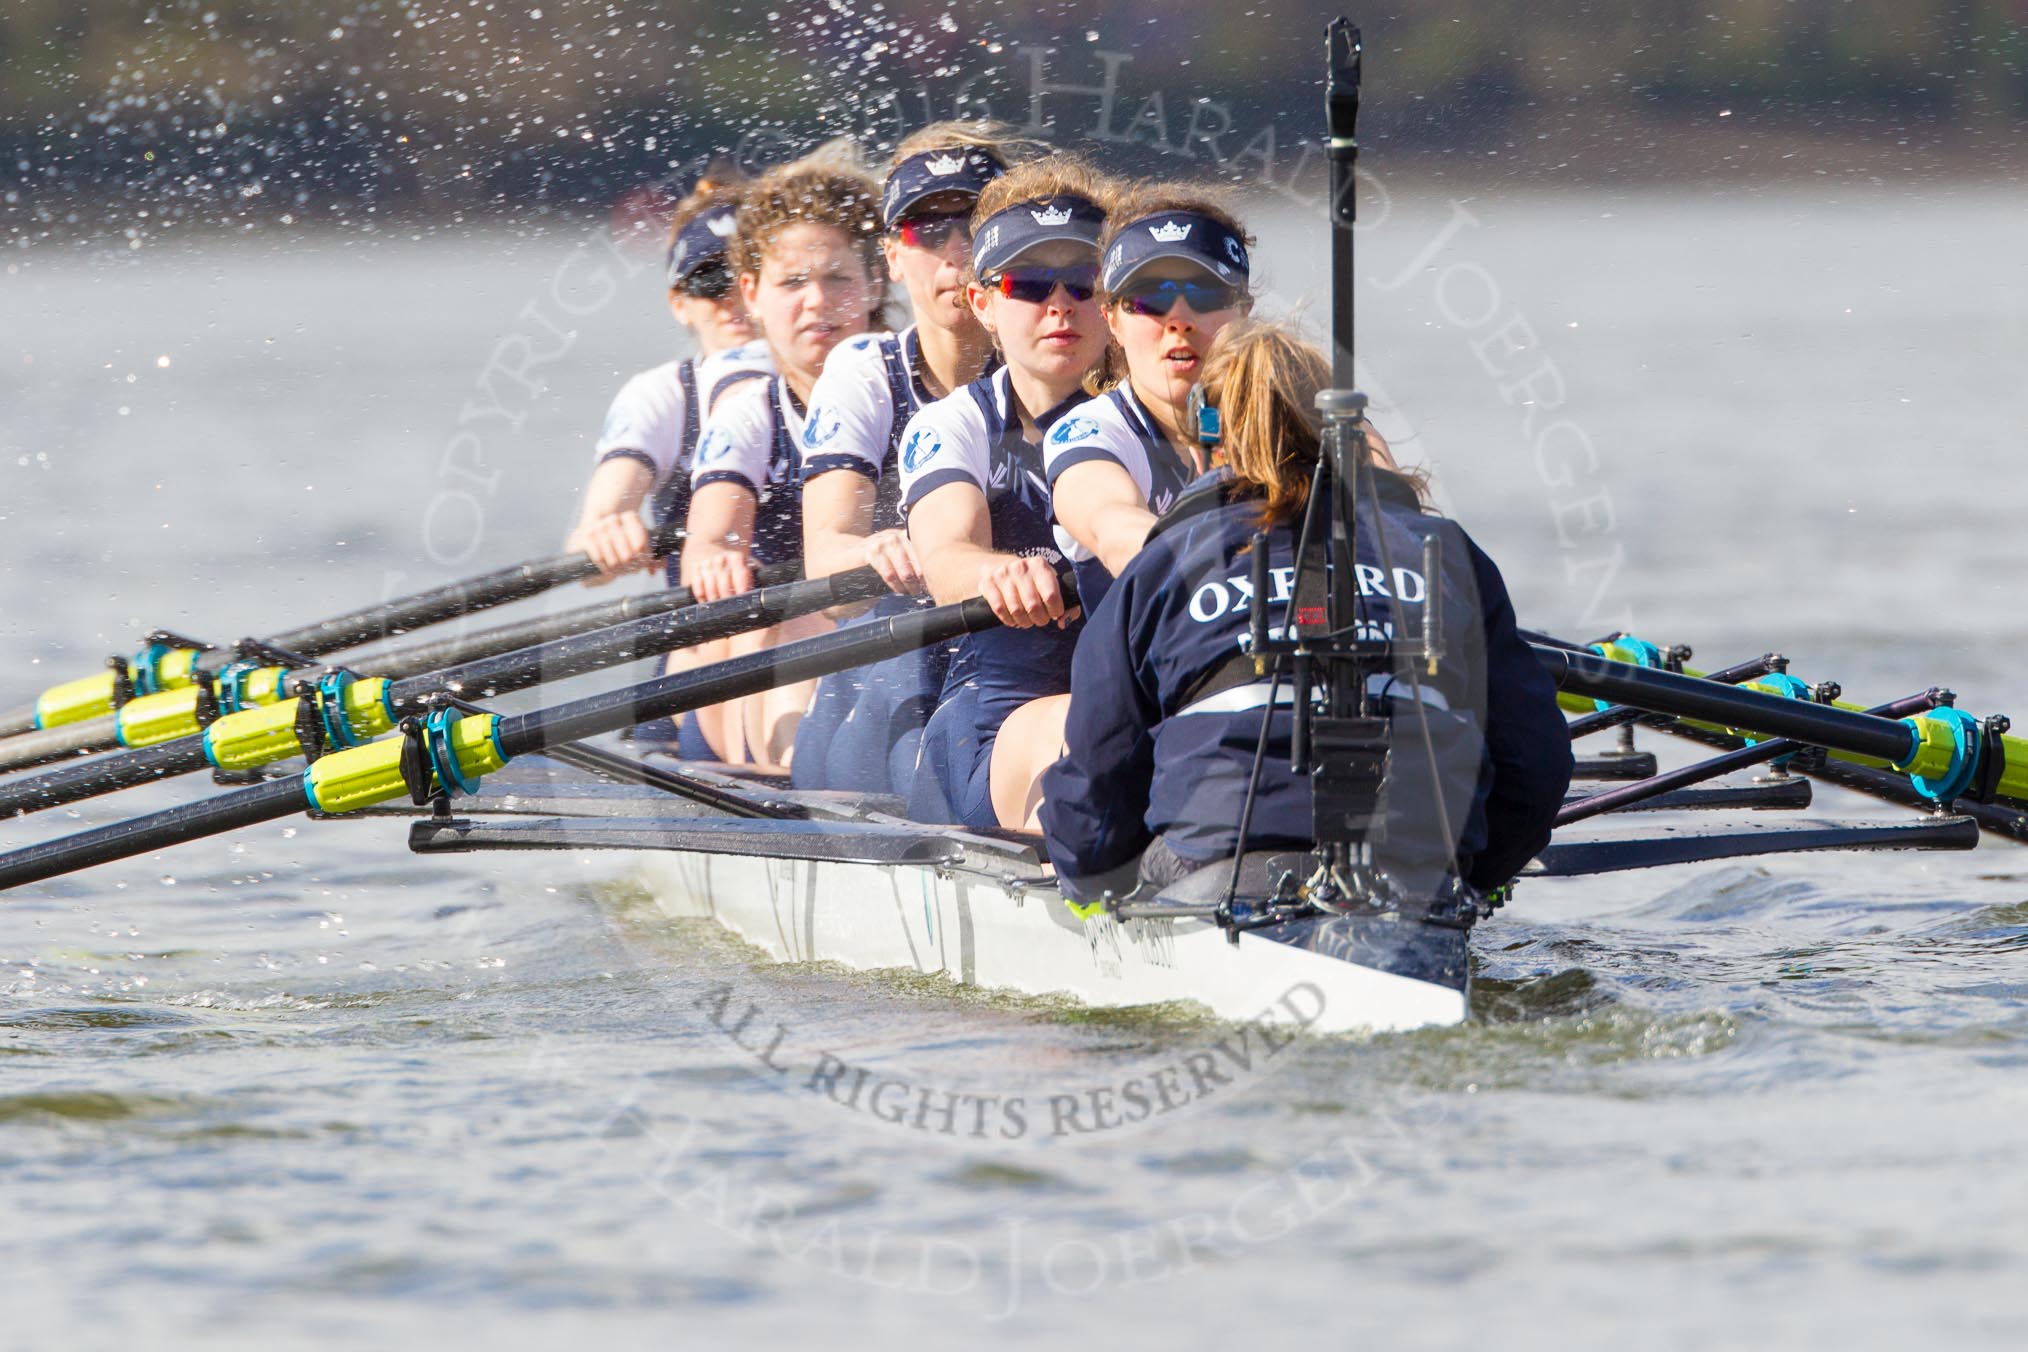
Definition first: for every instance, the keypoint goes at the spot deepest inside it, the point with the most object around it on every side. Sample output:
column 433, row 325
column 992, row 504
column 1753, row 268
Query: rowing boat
column 1319, row 939
column 844, row 879
column 835, row 878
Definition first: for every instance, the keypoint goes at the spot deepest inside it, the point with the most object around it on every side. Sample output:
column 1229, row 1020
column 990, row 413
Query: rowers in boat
column 1167, row 708
column 977, row 504
column 651, row 428
column 649, row 439
column 863, row 728
column 803, row 250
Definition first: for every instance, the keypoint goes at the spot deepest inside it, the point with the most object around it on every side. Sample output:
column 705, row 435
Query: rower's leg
column 770, row 718
column 712, row 722
column 1030, row 741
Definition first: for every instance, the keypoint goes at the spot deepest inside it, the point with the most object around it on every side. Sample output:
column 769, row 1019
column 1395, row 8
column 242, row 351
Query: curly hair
column 820, row 189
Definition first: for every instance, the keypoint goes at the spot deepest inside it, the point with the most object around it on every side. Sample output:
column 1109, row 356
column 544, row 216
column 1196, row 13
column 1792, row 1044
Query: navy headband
column 959, row 169
column 1209, row 243
column 1006, row 235
column 699, row 242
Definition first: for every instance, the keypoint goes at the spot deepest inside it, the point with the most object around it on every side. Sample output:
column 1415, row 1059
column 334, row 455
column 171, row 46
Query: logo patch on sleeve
column 822, row 426
column 1072, row 429
column 923, row 446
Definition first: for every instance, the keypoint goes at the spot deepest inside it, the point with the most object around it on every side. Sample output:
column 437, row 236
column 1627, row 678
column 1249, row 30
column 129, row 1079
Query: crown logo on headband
column 944, row 165
column 1169, row 232
column 1052, row 216
column 720, row 226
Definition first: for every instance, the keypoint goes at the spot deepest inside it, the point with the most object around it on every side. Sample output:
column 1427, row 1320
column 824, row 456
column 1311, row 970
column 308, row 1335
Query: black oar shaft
column 504, row 674
column 842, row 649
column 442, row 603
column 404, row 613
column 413, row 659
column 1612, row 718
column 1667, row 692
column 1626, row 795
column 156, row 831
column 854, row 645
column 602, row 648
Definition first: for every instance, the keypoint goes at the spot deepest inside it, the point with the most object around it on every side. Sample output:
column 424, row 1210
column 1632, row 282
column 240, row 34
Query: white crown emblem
column 1169, row 232
column 1053, row 216
column 943, row 165
column 720, row 226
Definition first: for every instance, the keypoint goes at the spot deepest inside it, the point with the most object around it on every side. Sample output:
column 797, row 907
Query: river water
column 298, row 1086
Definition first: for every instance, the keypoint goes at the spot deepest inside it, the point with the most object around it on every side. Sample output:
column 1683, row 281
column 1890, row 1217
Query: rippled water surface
column 298, row 1087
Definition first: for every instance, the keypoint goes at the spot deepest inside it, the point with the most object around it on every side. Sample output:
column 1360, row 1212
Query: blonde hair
column 1058, row 175
column 1003, row 141
column 1154, row 199
column 1263, row 378
column 826, row 187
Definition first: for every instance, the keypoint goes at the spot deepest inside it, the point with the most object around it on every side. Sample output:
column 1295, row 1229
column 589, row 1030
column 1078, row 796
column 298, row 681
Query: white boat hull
column 980, row 932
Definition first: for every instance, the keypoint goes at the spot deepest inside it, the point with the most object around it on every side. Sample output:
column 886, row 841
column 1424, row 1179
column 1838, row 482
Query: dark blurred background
column 155, row 116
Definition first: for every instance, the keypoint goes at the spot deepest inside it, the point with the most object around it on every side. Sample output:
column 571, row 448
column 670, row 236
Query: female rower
column 1177, row 269
column 862, row 730
column 651, row 430
column 803, row 251
column 975, row 499
column 1165, row 709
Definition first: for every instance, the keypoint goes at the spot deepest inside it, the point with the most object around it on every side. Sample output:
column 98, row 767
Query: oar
column 1641, row 790
column 447, row 752
column 168, row 662
column 147, row 720
column 343, row 713
column 1946, row 754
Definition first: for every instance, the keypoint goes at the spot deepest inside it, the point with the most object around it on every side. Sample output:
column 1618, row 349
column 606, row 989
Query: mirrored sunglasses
column 1036, row 285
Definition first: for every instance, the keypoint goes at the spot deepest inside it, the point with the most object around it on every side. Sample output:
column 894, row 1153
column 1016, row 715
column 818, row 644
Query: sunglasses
column 1157, row 299
column 933, row 229
column 712, row 281
column 1036, row 285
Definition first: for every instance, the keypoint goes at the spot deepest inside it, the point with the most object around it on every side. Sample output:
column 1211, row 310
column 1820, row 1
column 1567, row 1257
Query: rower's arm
column 715, row 552
column 609, row 527
column 1099, row 504
column 837, row 518
column 951, row 528
column 952, row 531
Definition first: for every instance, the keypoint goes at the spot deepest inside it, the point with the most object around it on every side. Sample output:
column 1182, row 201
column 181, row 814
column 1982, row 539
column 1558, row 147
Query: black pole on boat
column 417, row 763
column 502, row 674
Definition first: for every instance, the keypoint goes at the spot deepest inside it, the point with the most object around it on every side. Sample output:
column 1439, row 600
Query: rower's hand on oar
column 615, row 544
column 889, row 554
column 1024, row 592
column 719, row 576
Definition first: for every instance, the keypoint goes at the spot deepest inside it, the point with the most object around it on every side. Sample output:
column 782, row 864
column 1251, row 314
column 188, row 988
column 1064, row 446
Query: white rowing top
column 646, row 419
